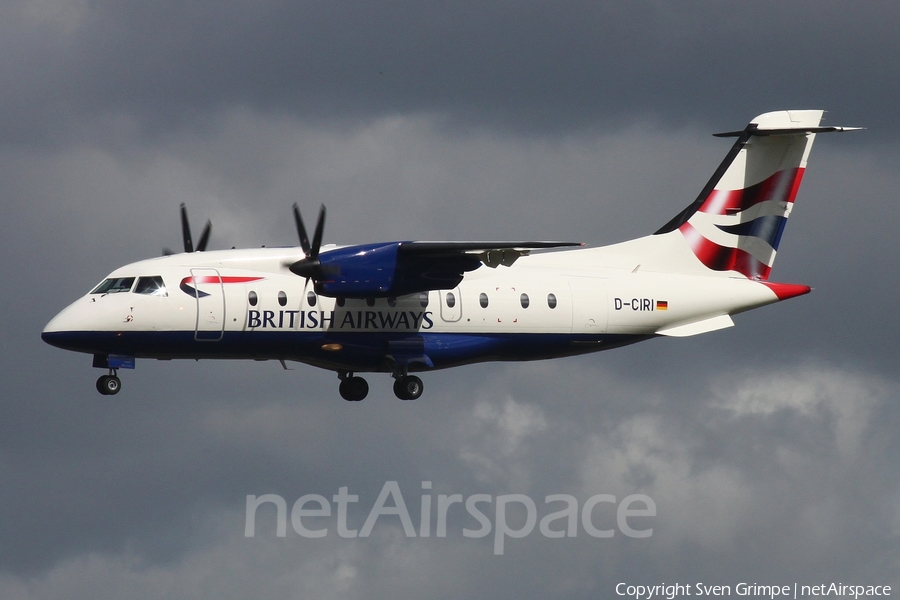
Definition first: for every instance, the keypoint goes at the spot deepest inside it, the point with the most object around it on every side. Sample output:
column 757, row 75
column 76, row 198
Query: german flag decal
column 662, row 305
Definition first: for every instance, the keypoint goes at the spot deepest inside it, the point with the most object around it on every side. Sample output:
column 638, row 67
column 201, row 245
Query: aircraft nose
column 61, row 322
column 63, row 330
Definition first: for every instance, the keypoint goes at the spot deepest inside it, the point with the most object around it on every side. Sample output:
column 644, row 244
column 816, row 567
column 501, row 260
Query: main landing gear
column 354, row 388
column 408, row 387
column 109, row 385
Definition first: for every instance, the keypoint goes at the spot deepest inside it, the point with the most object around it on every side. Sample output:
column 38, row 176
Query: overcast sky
column 769, row 449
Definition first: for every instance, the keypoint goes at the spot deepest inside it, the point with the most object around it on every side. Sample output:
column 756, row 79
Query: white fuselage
column 247, row 304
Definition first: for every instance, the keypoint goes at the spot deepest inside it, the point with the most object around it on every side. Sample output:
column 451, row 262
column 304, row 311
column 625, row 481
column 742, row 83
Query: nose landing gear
column 109, row 385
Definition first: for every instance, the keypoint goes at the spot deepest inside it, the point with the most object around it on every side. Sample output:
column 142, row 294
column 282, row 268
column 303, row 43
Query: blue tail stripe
column 768, row 228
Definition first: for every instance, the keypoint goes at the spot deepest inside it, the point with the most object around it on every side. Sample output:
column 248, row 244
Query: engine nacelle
column 358, row 271
column 383, row 270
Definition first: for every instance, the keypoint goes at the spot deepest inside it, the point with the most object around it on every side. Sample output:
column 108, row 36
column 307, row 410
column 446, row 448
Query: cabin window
column 483, row 300
column 340, row 301
column 252, row 298
column 114, row 285
column 282, row 299
column 311, row 299
column 523, row 299
column 551, row 300
column 370, row 302
column 451, row 300
column 392, row 302
column 423, row 299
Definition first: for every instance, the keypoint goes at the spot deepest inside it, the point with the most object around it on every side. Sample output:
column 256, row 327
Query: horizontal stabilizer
column 785, row 131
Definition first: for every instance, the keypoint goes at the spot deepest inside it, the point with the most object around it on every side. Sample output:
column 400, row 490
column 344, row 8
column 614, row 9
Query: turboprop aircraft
column 409, row 307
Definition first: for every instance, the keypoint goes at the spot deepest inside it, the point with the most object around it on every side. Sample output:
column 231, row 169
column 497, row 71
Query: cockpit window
column 151, row 286
column 114, row 285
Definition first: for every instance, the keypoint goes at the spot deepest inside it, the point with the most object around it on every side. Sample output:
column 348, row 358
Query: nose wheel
column 109, row 385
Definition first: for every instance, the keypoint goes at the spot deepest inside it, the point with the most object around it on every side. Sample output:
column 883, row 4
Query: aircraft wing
column 399, row 268
column 491, row 254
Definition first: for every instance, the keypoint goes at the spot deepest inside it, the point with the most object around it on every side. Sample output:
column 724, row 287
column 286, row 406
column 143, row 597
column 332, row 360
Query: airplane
column 408, row 307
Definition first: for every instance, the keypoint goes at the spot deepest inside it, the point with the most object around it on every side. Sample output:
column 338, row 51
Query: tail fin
column 736, row 222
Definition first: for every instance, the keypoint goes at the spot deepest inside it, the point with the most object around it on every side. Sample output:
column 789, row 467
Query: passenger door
column 589, row 314
column 210, row 295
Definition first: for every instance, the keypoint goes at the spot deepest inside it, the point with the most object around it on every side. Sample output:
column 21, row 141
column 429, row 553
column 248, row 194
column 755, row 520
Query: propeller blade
column 301, row 231
column 204, row 237
column 317, row 237
column 186, row 230
column 309, row 266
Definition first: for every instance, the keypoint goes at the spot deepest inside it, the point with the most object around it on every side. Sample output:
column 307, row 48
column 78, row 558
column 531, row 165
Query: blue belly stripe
column 360, row 352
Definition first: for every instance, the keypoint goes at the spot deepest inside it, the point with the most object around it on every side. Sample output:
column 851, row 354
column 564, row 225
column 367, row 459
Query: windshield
column 151, row 286
column 114, row 285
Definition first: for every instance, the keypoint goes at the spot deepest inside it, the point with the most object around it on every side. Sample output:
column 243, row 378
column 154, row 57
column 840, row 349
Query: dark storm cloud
column 779, row 478
column 531, row 66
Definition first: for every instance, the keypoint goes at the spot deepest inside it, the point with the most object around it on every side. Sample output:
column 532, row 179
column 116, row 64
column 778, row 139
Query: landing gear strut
column 352, row 388
column 408, row 387
column 109, row 385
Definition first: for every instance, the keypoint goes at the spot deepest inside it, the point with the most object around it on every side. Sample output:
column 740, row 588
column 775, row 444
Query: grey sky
column 769, row 448
column 522, row 66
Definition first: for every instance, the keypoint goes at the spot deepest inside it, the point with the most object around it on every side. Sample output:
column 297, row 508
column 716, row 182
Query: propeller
column 186, row 235
column 309, row 266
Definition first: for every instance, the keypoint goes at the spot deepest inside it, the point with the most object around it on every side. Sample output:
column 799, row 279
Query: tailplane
column 736, row 222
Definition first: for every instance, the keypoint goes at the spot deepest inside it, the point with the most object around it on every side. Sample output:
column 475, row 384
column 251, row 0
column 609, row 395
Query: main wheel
column 109, row 385
column 354, row 389
column 409, row 387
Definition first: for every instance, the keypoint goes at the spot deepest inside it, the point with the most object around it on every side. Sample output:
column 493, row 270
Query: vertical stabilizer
column 736, row 222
